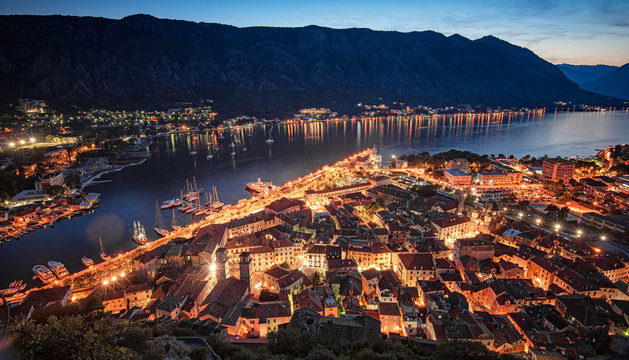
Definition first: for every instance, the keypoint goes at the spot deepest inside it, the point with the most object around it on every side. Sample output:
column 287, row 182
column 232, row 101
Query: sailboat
column 160, row 227
column 174, row 225
column 103, row 255
column 214, row 203
column 139, row 234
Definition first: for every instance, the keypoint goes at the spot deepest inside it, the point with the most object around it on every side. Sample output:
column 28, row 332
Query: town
column 525, row 256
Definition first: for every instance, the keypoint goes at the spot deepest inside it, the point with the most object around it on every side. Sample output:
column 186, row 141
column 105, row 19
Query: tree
column 266, row 295
column 291, row 341
column 69, row 337
column 285, row 265
column 462, row 350
column 315, row 278
column 321, row 354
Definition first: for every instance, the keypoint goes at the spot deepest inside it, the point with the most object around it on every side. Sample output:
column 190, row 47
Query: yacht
column 259, row 187
column 43, row 273
column 87, row 262
column 58, row 269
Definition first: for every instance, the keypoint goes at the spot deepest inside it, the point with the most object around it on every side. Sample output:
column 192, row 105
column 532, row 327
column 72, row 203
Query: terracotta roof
column 389, row 309
column 451, row 221
column 417, row 261
column 283, row 204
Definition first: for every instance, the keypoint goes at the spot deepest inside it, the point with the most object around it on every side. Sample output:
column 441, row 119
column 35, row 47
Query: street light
column 12, row 144
column 538, row 221
column 32, row 139
column 557, row 227
column 22, row 142
column 603, row 237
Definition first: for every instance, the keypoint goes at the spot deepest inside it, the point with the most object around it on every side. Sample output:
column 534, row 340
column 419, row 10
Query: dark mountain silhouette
column 141, row 61
column 583, row 74
column 614, row 84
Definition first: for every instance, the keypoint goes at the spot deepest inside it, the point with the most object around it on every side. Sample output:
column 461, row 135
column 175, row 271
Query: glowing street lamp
column 32, row 139
column 105, row 282
column 22, row 142
column 557, row 227
column 603, row 237
column 12, row 144
column 538, row 221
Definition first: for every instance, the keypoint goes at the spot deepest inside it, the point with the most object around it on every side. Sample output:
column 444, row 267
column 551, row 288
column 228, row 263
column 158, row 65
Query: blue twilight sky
column 572, row 31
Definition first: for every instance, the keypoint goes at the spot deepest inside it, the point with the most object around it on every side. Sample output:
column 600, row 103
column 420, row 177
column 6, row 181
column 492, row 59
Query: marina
column 298, row 148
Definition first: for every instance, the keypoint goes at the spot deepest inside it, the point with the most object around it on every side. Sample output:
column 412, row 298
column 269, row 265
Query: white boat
column 209, row 156
column 43, row 273
column 259, row 187
column 87, row 262
column 269, row 141
column 103, row 255
column 139, row 234
column 168, row 204
column 233, row 153
column 192, row 152
column 58, row 269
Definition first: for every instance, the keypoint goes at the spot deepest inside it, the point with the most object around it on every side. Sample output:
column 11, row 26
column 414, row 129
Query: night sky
column 570, row 31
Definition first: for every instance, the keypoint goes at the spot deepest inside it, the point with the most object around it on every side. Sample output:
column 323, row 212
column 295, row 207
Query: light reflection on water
column 297, row 150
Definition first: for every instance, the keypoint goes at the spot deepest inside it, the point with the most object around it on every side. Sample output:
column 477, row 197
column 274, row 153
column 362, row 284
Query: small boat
column 160, row 227
column 192, row 152
column 269, row 141
column 209, row 156
column 15, row 286
column 244, row 148
column 103, row 255
column 168, row 204
column 233, row 153
column 232, row 145
column 58, row 269
column 43, row 273
column 174, row 225
column 87, row 262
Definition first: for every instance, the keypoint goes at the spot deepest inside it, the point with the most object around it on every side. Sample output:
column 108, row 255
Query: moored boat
column 58, row 269
column 43, row 273
column 87, row 262
column 139, row 234
column 103, row 254
column 259, row 187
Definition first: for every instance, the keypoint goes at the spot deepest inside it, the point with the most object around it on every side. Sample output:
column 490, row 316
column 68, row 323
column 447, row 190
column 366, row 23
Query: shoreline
column 92, row 180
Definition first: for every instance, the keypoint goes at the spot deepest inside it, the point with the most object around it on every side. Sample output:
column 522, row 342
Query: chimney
column 245, row 260
column 220, row 259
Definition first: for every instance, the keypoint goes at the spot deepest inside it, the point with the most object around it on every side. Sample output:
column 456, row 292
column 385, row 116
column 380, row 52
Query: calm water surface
column 297, row 150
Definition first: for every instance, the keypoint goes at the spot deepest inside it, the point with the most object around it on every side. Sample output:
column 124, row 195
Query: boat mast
column 102, row 251
column 159, row 221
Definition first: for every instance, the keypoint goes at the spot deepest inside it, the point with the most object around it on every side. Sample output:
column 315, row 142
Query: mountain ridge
column 140, row 61
column 614, row 84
